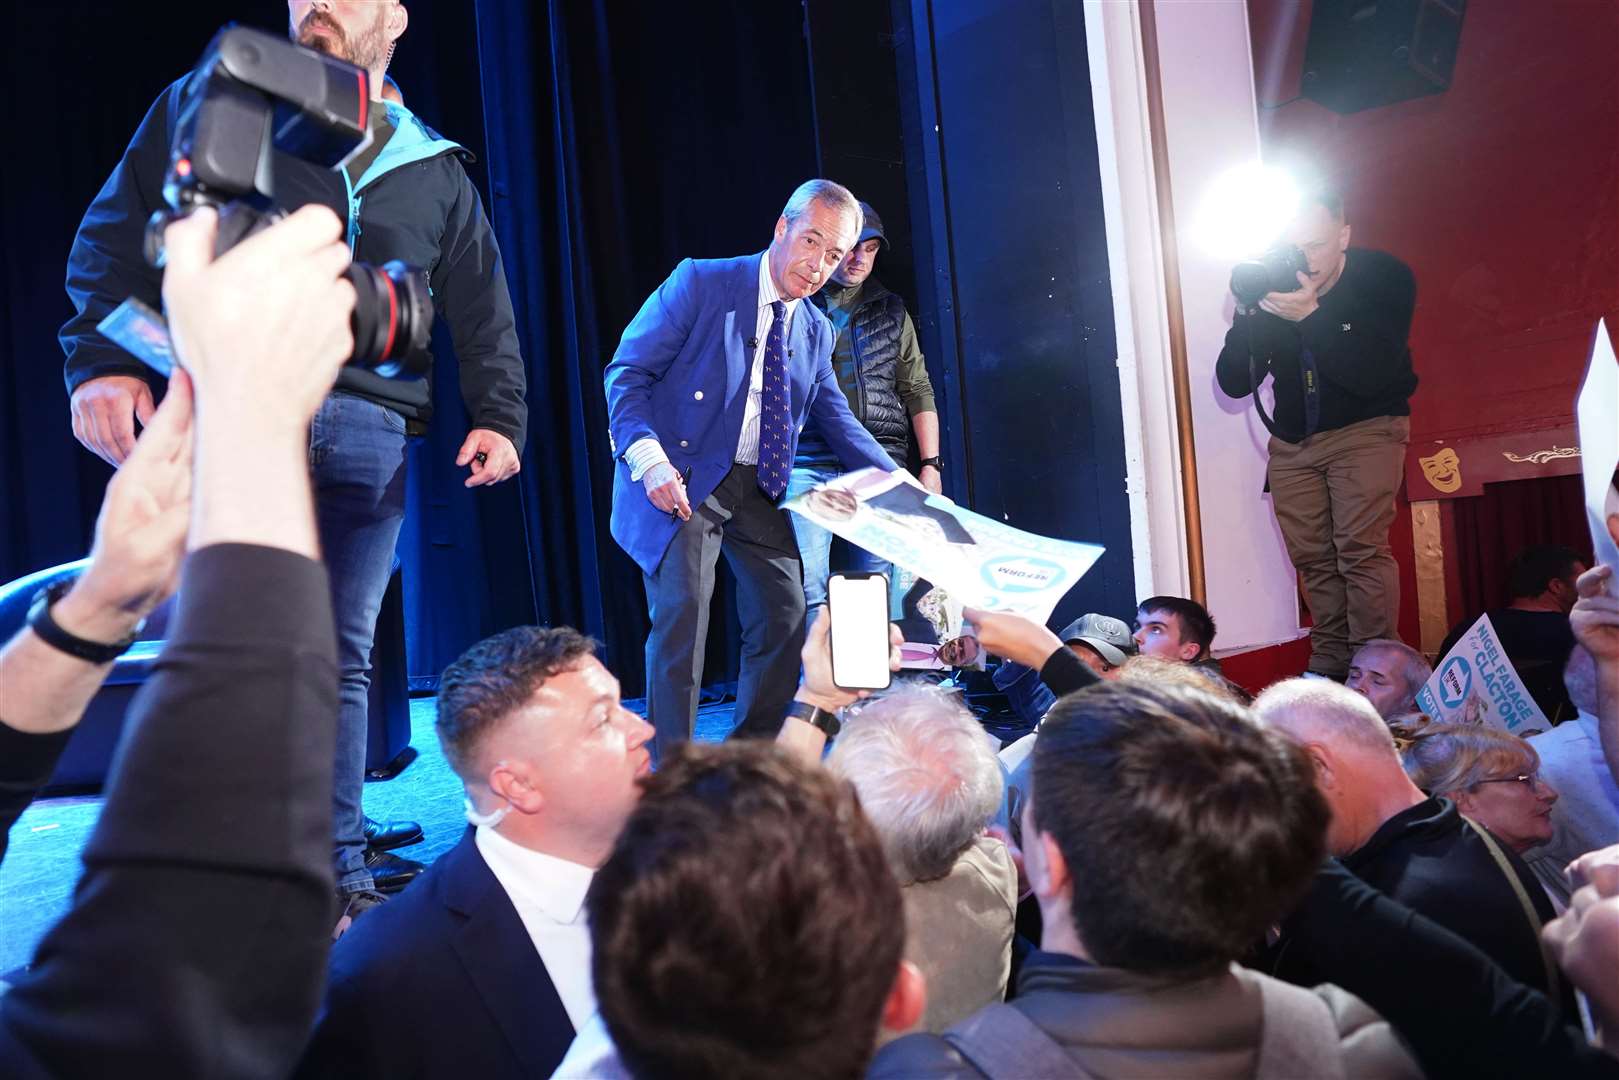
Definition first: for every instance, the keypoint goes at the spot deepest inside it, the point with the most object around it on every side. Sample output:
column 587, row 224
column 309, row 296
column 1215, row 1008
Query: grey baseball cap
column 873, row 226
column 1108, row 636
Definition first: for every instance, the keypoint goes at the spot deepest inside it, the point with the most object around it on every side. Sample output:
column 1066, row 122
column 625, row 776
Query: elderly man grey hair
column 828, row 193
column 926, row 773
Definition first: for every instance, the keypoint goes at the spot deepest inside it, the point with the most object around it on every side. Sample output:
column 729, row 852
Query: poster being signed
column 978, row 561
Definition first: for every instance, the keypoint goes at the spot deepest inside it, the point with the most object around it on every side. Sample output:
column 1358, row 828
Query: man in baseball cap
column 1102, row 641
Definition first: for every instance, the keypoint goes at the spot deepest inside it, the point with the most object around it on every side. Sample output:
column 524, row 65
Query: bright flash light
column 1245, row 211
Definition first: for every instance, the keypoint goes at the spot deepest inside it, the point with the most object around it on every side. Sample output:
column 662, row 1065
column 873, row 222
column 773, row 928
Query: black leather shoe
column 387, row 835
column 390, row 873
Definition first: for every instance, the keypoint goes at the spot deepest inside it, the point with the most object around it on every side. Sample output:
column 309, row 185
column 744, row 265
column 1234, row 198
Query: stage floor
column 42, row 861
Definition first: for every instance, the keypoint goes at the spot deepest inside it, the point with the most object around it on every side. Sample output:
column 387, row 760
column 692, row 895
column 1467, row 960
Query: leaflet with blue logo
column 979, row 561
column 1476, row 684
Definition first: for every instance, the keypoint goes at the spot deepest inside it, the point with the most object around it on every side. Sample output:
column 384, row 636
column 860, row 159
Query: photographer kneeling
column 186, row 953
column 1333, row 334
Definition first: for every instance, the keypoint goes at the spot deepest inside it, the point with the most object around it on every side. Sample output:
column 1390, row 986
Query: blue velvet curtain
column 613, row 139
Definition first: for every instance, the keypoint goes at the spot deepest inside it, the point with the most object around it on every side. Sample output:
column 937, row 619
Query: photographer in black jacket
column 1336, row 347
column 406, row 196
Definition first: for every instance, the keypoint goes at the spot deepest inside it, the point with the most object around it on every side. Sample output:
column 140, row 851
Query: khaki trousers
column 1334, row 500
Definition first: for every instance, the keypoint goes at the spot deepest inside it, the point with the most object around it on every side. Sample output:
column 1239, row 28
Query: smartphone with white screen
column 858, row 604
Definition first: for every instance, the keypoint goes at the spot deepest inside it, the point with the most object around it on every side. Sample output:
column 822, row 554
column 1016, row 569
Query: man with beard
column 407, row 197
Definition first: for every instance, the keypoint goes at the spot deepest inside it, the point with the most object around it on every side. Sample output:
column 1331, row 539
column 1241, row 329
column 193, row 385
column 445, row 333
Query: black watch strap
column 937, row 463
column 39, row 619
column 816, row 716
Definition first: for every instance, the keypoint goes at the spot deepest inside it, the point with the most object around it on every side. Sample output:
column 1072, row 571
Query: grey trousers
column 741, row 522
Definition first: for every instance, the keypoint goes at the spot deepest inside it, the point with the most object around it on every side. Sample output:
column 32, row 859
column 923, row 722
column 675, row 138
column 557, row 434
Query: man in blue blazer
column 706, row 397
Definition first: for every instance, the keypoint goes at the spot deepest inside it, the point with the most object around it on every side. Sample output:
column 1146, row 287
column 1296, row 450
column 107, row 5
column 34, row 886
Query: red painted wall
column 1502, row 193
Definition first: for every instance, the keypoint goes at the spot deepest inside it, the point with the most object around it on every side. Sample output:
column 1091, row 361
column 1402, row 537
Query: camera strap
column 1310, row 384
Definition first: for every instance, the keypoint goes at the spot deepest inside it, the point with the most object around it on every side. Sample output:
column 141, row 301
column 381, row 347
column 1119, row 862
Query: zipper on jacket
column 354, row 211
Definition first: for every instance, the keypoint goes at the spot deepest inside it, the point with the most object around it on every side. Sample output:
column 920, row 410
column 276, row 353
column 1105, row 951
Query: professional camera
column 1275, row 271
column 253, row 93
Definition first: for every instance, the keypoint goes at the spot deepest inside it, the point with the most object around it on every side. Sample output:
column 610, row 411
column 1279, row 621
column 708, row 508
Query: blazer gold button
column 683, row 442
column 698, row 395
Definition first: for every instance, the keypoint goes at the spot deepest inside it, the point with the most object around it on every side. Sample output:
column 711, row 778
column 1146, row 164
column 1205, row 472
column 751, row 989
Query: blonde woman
column 1491, row 776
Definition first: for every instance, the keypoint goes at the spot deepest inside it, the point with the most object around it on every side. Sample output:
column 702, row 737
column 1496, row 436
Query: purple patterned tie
column 775, row 426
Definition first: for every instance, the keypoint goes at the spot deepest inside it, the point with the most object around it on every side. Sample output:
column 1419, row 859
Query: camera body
column 251, row 94
column 1276, row 270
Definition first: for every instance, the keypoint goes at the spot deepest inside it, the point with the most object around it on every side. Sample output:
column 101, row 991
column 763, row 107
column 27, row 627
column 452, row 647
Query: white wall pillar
column 1211, row 126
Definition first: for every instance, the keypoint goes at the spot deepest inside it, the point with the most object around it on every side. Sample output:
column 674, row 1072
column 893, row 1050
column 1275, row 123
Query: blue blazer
column 680, row 375
column 443, row 980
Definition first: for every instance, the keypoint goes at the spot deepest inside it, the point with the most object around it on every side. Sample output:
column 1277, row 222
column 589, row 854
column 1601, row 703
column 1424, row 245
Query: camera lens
column 393, row 318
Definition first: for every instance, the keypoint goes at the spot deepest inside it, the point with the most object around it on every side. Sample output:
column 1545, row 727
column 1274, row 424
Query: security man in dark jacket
column 882, row 373
column 407, row 197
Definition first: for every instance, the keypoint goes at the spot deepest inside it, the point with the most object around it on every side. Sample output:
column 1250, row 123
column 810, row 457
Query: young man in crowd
column 1175, row 628
column 484, row 964
column 1165, row 832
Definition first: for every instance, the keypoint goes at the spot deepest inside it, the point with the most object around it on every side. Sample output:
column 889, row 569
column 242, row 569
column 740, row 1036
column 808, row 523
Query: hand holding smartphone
column 859, row 607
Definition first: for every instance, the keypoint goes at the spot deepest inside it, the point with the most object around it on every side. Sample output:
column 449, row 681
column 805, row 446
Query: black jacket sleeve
column 1064, row 672
column 1457, row 1009
column 469, row 286
column 26, row 763
column 197, row 940
column 107, row 264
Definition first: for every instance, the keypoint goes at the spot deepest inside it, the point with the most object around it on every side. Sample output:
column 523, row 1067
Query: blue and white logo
column 1455, row 680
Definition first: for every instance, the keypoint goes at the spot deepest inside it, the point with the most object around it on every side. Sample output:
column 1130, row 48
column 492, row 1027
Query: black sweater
column 1358, row 337
column 1458, row 1010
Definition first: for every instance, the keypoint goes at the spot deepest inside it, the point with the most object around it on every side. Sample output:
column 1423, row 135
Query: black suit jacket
column 443, row 980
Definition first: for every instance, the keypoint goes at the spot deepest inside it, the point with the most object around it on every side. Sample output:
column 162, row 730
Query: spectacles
column 1528, row 780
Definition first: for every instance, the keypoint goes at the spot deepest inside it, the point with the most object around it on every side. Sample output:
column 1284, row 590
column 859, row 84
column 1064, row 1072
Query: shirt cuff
column 642, row 455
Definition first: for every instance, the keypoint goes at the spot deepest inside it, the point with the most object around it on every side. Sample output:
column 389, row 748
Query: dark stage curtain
column 612, row 140
column 1493, row 527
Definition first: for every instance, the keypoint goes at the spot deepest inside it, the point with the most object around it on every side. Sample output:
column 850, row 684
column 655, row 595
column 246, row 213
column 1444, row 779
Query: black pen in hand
column 685, row 482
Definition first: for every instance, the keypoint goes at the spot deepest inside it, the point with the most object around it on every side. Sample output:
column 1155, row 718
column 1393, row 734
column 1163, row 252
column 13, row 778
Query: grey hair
column 828, row 193
column 1446, row 758
column 1320, row 710
column 1580, row 680
column 926, row 773
column 1414, row 669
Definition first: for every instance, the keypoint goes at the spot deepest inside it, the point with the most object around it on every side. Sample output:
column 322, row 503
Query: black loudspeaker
column 1365, row 53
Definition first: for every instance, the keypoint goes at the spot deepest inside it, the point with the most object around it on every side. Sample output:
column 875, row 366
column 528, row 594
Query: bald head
column 1321, row 711
column 1356, row 765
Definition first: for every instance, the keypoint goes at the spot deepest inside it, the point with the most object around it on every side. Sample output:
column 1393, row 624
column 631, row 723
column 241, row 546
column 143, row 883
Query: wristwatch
column 816, row 716
column 95, row 652
column 935, row 462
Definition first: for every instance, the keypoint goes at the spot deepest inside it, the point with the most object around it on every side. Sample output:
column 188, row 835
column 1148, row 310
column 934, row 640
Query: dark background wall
column 1012, row 272
column 1500, row 193
column 613, row 139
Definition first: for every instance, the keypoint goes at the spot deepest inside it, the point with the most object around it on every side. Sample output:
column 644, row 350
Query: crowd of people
column 1167, row 876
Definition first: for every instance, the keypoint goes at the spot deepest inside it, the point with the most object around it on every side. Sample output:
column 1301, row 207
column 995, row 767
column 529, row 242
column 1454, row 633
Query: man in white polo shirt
column 483, row 966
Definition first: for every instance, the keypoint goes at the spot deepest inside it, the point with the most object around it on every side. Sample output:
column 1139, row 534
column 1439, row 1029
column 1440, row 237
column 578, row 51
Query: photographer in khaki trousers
column 1336, row 348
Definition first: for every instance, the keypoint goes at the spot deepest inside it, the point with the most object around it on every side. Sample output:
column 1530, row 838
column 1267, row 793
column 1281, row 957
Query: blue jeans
column 357, row 467
column 815, row 544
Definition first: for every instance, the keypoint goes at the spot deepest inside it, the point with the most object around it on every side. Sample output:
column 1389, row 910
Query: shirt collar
column 556, row 886
column 767, row 286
